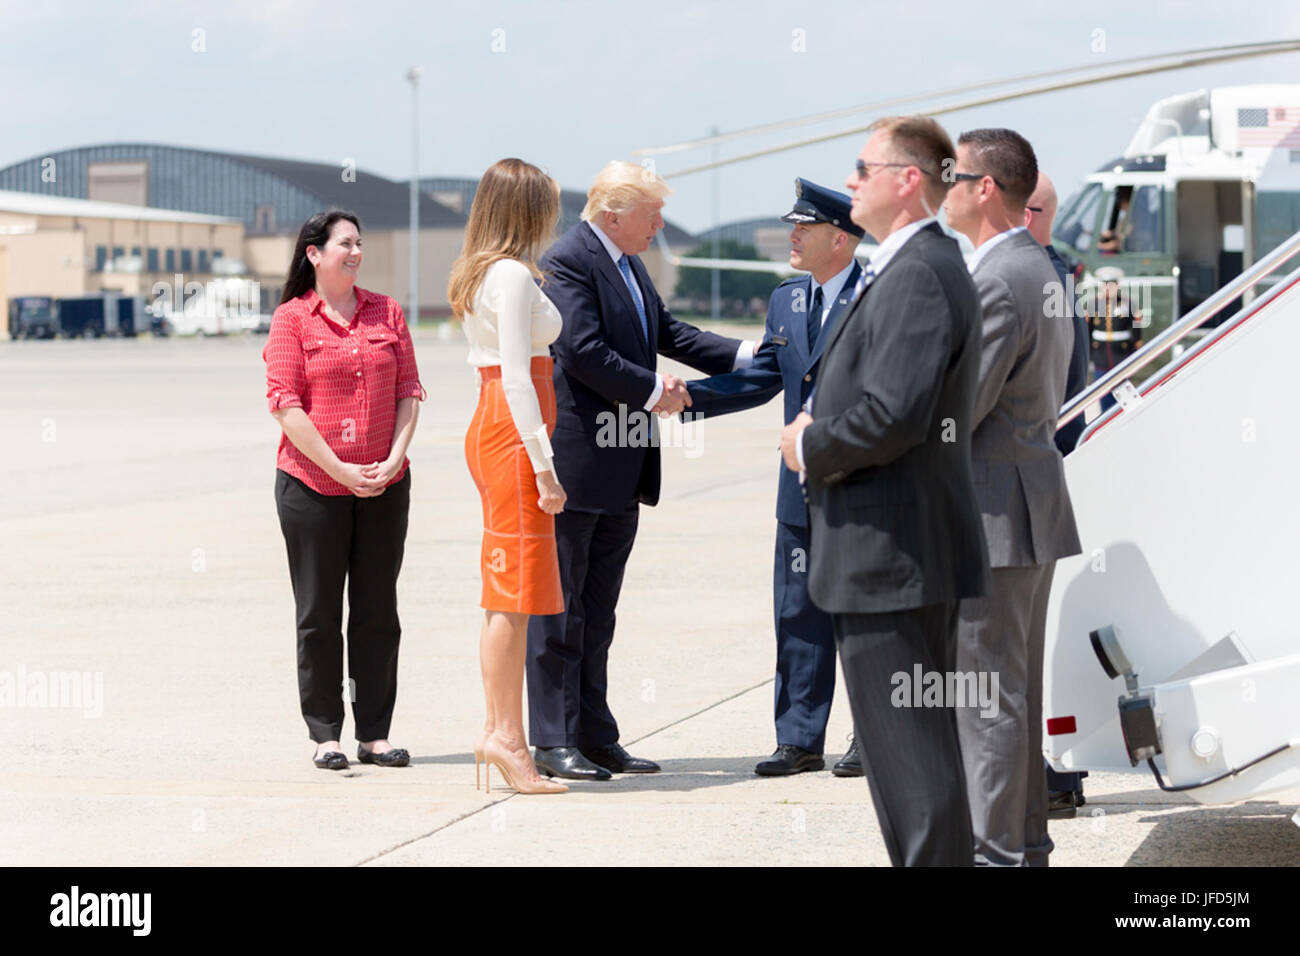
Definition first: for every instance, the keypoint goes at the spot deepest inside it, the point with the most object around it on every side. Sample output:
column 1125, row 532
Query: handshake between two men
column 674, row 397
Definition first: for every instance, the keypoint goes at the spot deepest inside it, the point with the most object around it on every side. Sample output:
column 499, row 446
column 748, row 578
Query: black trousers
column 568, row 652
column 910, row 753
column 1057, row 781
column 330, row 539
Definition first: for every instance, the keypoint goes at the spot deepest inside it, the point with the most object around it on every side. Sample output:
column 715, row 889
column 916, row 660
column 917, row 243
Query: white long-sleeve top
column 512, row 321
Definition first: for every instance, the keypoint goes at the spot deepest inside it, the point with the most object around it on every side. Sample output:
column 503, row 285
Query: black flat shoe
column 397, row 757
column 850, row 765
column 331, row 760
column 1063, row 804
column 567, row 762
column 787, row 760
column 617, row 760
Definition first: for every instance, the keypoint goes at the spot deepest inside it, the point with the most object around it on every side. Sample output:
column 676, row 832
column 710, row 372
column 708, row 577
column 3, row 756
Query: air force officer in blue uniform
column 800, row 315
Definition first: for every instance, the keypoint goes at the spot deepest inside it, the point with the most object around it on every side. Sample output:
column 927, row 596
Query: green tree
column 736, row 287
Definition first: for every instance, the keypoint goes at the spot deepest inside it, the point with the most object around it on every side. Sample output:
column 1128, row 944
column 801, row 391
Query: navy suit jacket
column 606, row 446
column 1077, row 377
column 787, row 362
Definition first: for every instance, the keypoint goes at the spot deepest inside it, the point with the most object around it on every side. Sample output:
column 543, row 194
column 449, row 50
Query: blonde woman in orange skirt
column 510, row 324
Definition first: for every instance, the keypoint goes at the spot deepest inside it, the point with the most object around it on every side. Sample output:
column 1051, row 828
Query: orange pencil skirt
column 521, row 570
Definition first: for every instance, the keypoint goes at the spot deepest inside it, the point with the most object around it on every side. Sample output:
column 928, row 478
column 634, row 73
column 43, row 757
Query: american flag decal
column 1277, row 126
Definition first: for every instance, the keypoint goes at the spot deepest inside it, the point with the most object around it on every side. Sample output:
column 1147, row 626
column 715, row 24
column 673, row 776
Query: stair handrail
column 1171, row 336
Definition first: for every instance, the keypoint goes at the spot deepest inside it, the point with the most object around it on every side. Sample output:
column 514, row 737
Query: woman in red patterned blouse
column 342, row 382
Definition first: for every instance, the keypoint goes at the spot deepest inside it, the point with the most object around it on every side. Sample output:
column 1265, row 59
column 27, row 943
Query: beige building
column 59, row 247
column 244, row 209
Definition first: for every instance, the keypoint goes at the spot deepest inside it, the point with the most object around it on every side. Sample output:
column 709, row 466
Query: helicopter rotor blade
column 1183, row 62
column 879, row 105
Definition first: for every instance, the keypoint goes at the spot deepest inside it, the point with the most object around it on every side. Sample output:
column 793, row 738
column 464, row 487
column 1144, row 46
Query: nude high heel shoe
column 514, row 770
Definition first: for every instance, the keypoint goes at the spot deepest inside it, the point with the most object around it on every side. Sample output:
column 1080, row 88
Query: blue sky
column 569, row 85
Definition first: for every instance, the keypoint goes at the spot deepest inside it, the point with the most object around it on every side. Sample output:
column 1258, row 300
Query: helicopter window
column 1145, row 227
column 1076, row 227
column 1117, row 221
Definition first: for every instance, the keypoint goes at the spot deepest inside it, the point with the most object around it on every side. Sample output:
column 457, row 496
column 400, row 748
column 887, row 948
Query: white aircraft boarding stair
column 1187, row 497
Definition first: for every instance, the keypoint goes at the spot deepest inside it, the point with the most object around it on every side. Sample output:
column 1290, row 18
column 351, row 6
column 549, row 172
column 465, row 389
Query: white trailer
column 220, row 306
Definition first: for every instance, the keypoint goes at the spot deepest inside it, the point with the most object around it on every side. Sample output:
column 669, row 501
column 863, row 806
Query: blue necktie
column 626, row 271
column 815, row 319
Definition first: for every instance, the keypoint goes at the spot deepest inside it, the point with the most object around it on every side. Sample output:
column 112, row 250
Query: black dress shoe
column 1063, row 804
column 617, row 760
column 850, row 765
column 331, row 760
column 789, row 759
column 396, row 757
column 567, row 762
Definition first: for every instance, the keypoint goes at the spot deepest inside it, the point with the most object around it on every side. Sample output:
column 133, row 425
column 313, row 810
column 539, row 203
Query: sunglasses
column 863, row 167
column 974, row 178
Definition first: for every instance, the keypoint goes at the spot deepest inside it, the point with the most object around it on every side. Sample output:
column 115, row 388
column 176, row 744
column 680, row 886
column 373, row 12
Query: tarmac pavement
column 142, row 553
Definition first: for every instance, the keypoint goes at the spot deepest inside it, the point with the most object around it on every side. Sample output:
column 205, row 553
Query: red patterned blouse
column 348, row 381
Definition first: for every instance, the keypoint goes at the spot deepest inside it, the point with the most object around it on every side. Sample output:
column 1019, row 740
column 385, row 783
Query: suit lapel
column 799, row 320
column 605, row 267
column 838, row 308
column 902, row 250
column 830, row 339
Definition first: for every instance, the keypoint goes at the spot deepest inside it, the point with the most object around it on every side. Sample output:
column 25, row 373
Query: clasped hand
column 367, row 481
column 673, row 398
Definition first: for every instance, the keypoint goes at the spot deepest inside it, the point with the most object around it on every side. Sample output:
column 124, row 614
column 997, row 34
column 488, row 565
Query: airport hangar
column 123, row 216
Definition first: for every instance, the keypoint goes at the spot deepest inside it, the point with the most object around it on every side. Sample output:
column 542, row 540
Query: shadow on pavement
column 1257, row 833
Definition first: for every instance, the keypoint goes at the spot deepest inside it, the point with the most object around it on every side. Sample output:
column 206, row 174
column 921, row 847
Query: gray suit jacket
column 1019, row 478
column 892, row 513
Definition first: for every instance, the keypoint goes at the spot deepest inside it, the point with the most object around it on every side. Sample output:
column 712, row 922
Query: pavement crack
column 703, row 710
column 465, row 816
column 434, row 832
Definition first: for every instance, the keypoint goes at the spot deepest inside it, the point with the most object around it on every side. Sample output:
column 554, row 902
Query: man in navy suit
column 1040, row 211
column 1064, row 790
column 606, row 446
column 800, row 316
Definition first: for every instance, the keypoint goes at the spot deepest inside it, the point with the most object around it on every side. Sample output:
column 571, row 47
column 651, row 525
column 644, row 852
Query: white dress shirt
column 513, row 321
column 744, row 354
column 985, row 249
column 893, row 242
column 831, row 289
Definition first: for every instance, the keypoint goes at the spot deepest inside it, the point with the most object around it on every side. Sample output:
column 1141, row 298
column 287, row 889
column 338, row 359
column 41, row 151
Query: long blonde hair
column 515, row 210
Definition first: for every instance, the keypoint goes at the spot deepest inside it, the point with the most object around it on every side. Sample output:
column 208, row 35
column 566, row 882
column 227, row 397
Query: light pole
column 715, row 299
column 413, row 309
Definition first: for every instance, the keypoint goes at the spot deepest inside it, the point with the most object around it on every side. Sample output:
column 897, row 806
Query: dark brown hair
column 314, row 232
column 1006, row 156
